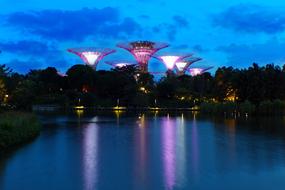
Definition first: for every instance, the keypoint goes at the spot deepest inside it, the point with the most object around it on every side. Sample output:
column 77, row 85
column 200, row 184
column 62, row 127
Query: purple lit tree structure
column 142, row 51
column 198, row 71
column 91, row 56
column 120, row 64
column 182, row 66
column 170, row 60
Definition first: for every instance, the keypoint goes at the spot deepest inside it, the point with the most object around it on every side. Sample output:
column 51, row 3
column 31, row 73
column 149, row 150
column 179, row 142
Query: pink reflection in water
column 168, row 146
column 141, row 149
column 195, row 147
column 180, row 150
column 90, row 156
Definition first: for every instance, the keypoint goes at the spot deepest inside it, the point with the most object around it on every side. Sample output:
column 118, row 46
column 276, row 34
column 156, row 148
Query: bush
column 272, row 108
column 247, row 107
column 17, row 128
column 218, row 108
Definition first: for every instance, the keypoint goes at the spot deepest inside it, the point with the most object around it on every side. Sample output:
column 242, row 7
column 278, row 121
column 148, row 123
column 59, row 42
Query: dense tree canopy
column 128, row 87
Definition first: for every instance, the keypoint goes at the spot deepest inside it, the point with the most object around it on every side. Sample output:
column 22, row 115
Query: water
column 149, row 151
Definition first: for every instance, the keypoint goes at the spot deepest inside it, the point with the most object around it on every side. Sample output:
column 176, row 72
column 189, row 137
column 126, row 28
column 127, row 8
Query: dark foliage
column 251, row 88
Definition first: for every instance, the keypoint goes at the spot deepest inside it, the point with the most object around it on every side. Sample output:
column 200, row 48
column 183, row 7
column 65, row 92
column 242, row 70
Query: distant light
column 120, row 65
column 119, row 108
column 91, row 57
column 79, row 107
column 181, row 65
column 196, row 71
column 169, row 61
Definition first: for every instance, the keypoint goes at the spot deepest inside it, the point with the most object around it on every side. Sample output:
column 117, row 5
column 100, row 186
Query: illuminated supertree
column 182, row 66
column 120, row 64
column 198, row 71
column 91, row 56
column 170, row 60
column 142, row 51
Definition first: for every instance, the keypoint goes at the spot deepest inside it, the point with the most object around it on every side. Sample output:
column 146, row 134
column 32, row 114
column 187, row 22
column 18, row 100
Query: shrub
column 247, row 107
column 17, row 128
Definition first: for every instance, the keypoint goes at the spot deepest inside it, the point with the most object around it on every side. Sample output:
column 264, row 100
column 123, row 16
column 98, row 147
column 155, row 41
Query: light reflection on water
column 180, row 151
column 168, row 154
column 90, row 155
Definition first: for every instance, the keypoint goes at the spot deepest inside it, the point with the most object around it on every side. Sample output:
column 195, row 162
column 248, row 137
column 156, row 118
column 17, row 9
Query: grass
column 17, row 128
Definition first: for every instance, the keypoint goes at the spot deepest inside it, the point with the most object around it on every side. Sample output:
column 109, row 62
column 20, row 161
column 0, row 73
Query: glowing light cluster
column 120, row 64
column 142, row 51
column 171, row 60
column 198, row 71
column 182, row 66
column 91, row 56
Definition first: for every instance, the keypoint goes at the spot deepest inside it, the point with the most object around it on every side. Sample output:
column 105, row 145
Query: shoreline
column 117, row 108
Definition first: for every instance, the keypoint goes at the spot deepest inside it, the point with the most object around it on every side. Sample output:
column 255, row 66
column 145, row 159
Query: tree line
column 126, row 86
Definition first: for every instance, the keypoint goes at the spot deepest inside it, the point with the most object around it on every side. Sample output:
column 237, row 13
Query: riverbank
column 17, row 128
column 52, row 108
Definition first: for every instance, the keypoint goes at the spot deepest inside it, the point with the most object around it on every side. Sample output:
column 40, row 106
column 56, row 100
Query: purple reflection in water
column 141, row 153
column 195, row 147
column 90, row 156
column 180, row 151
column 168, row 147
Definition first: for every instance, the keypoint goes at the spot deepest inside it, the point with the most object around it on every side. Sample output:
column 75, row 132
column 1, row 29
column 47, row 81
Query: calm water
column 148, row 151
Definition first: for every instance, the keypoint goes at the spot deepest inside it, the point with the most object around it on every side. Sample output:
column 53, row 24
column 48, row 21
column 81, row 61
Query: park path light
column 91, row 55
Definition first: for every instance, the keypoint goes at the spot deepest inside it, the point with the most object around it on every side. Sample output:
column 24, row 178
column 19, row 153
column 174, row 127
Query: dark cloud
column 24, row 66
column 251, row 19
column 242, row 55
column 26, row 47
column 73, row 25
column 200, row 49
column 182, row 46
column 180, row 21
column 146, row 17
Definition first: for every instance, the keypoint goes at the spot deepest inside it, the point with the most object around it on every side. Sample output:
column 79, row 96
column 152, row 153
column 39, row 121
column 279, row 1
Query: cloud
column 24, row 66
column 26, row 47
column 75, row 25
column 171, row 28
column 242, row 55
column 251, row 19
column 180, row 21
column 200, row 49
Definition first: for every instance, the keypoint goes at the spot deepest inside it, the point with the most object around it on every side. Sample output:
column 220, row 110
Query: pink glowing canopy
column 184, row 65
column 142, row 50
column 91, row 56
column 198, row 71
column 170, row 60
column 120, row 64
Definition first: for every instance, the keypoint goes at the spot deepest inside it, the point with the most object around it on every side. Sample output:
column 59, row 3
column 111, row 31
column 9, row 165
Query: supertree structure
column 91, row 55
column 182, row 66
column 120, row 64
column 198, row 71
column 142, row 51
column 170, row 60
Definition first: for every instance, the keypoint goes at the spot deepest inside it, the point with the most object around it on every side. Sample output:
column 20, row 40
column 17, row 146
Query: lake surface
column 148, row 151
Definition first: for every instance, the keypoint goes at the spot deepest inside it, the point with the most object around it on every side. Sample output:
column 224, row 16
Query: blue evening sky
column 35, row 34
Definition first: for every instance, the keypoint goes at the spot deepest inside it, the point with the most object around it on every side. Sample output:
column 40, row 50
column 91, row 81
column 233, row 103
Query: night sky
column 35, row 34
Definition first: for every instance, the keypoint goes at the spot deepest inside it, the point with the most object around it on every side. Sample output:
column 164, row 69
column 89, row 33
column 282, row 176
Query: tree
column 2, row 90
column 81, row 77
